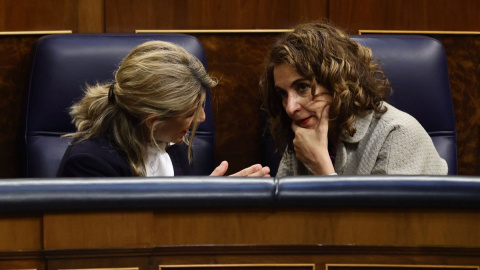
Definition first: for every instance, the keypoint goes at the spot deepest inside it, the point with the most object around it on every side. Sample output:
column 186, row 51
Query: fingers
column 295, row 126
column 248, row 171
column 221, row 169
column 324, row 118
column 264, row 172
column 254, row 171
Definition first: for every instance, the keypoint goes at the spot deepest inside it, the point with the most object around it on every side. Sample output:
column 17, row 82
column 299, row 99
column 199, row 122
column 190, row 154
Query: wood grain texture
column 463, row 56
column 316, row 226
column 28, row 15
column 15, row 53
column 131, row 15
column 98, row 230
column 126, row 262
column 91, row 16
column 237, row 62
column 82, row 16
column 441, row 15
column 22, row 264
column 20, row 232
column 247, row 256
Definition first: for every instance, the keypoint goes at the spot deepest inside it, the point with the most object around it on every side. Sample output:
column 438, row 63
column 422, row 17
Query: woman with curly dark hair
column 326, row 97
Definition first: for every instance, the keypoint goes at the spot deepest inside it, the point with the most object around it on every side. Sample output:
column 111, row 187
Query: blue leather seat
column 62, row 65
column 417, row 69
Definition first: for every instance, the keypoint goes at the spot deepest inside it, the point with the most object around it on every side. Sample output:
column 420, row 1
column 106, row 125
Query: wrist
column 323, row 165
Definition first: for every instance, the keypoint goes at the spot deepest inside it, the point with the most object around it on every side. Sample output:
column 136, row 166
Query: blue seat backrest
column 417, row 69
column 62, row 66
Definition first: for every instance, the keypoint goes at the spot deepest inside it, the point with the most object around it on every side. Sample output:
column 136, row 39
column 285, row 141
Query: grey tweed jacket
column 389, row 143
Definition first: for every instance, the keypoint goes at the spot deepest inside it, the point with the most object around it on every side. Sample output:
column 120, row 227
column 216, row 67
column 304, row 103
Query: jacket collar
column 361, row 125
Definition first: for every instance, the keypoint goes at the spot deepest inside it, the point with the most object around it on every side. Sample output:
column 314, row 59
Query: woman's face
column 297, row 99
column 173, row 129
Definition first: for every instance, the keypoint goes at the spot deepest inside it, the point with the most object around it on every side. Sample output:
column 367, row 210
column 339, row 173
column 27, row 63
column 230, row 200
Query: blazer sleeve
column 93, row 158
column 410, row 150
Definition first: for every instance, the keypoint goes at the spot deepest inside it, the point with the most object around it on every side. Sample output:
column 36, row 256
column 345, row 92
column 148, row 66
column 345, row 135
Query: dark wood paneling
column 20, row 263
column 237, row 61
column 91, row 17
column 84, row 16
column 318, row 226
column 399, row 267
column 442, row 15
column 463, row 56
column 15, row 52
column 252, row 257
column 441, row 238
column 131, row 15
column 28, row 15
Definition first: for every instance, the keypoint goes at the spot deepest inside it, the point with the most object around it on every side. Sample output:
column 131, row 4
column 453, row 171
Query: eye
column 191, row 114
column 282, row 93
column 302, row 87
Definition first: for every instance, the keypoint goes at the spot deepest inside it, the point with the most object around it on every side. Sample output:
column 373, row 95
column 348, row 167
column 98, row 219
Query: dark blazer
column 99, row 157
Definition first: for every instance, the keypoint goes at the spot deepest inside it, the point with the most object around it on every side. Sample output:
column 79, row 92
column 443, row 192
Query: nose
column 291, row 105
column 202, row 117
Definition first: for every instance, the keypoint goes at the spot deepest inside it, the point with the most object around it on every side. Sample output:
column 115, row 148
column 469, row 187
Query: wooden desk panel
column 98, row 230
column 316, row 226
column 20, row 232
column 148, row 239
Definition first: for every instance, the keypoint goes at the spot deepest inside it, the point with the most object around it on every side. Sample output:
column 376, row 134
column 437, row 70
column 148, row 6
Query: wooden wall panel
column 131, row 15
column 29, row 15
column 448, row 237
column 463, row 56
column 15, row 53
column 369, row 227
column 91, row 17
column 46, row 15
column 442, row 15
column 237, row 61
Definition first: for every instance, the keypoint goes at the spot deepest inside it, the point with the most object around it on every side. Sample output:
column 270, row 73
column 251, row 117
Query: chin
column 177, row 140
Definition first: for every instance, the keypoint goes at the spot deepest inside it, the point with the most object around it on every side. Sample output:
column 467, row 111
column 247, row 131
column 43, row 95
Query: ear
column 151, row 118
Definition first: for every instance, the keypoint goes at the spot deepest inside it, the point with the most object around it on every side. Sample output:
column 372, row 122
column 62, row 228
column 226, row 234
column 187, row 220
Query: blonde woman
column 124, row 127
column 326, row 98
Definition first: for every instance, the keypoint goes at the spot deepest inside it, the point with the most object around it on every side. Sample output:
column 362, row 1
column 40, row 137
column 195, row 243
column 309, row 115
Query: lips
column 303, row 122
column 184, row 132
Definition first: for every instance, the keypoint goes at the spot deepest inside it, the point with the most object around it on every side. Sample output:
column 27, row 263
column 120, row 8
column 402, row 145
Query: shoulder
column 94, row 146
column 399, row 122
column 408, row 146
column 375, row 126
column 93, row 157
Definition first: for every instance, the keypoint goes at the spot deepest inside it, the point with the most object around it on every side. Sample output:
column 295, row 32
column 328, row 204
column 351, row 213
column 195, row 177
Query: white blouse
column 158, row 162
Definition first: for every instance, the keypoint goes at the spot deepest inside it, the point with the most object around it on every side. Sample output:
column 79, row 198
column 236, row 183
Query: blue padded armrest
column 44, row 195
column 47, row 195
column 379, row 191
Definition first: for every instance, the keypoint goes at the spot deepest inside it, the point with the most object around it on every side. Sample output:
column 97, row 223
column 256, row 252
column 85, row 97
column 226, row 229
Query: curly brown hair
column 323, row 53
